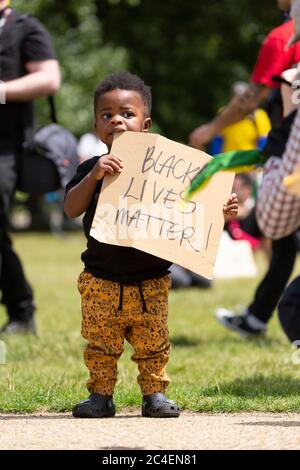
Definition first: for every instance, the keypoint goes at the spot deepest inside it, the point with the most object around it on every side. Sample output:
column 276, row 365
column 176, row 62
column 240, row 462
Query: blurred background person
column 273, row 59
column 248, row 133
column 243, row 186
column 29, row 71
column 89, row 146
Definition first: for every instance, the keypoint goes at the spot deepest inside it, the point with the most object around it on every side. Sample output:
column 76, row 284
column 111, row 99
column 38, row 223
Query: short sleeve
column 272, row 60
column 81, row 172
column 37, row 44
column 262, row 122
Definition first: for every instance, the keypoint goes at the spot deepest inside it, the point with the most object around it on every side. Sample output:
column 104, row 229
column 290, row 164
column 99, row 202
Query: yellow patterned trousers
column 106, row 323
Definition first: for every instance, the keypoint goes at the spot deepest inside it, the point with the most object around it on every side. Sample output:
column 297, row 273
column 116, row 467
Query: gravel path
column 128, row 430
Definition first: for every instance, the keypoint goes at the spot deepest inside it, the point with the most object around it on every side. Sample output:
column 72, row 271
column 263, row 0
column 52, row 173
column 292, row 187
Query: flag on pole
column 237, row 161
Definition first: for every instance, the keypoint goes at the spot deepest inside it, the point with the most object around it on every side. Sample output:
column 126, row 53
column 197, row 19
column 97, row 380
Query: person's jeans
column 269, row 291
column 289, row 311
column 17, row 294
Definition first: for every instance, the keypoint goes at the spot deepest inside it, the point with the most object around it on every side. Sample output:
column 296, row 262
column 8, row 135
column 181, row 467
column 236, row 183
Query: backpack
column 49, row 156
column 48, row 161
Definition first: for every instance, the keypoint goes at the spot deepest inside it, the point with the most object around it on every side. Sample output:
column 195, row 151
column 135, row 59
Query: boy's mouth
column 117, row 130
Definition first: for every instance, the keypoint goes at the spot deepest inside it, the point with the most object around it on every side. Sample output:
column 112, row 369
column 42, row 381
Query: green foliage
column 84, row 59
column 189, row 52
column 211, row 368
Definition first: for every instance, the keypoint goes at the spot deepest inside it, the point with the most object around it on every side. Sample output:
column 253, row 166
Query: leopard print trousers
column 105, row 325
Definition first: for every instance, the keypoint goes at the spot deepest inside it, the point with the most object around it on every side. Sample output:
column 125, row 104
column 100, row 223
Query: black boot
column 96, row 406
column 158, row 405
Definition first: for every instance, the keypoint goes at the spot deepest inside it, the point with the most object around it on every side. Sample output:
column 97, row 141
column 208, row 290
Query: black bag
column 48, row 161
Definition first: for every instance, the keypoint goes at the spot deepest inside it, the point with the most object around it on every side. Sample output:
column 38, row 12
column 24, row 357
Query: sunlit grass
column 211, row 369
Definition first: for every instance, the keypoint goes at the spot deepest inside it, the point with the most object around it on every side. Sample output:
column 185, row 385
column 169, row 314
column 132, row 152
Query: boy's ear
column 147, row 124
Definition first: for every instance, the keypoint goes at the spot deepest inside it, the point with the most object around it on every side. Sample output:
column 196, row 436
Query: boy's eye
column 106, row 116
column 128, row 114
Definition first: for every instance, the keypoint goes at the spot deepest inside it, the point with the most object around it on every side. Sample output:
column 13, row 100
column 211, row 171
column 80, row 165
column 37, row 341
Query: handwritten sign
column 142, row 207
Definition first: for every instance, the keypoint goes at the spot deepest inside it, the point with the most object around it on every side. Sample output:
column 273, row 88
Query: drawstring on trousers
column 142, row 297
column 120, row 307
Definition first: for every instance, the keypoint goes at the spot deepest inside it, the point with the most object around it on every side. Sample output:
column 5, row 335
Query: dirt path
column 129, row 430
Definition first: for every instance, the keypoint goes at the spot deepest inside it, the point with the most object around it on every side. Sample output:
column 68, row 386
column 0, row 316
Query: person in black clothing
column 28, row 70
column 124, row 291
column 253, row 320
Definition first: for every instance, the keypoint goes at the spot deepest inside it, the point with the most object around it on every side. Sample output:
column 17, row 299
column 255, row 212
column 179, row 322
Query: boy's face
column 119, row 111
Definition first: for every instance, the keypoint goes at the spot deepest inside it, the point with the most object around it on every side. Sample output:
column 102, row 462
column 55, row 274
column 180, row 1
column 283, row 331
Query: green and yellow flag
column 237, row 161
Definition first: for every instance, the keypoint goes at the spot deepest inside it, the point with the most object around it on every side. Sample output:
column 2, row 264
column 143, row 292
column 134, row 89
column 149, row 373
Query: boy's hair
column 124, row 80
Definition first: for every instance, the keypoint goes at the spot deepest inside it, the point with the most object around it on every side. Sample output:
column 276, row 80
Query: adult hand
column 201, row 135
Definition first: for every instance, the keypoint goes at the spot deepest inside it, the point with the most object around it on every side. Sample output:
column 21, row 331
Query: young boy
column 124, row 291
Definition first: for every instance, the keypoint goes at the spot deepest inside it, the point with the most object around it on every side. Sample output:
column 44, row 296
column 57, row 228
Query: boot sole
column 92, row 413
column 160, row 413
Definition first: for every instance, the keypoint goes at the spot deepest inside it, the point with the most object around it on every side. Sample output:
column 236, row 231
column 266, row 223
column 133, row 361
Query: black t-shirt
column 23, row 39
column 116, row 263
column 278, row 136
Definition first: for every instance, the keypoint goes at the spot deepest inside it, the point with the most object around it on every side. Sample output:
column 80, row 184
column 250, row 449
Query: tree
column 189, row 52
column 84, row 58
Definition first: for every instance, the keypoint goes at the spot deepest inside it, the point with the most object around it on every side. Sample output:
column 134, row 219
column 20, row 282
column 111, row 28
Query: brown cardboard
column 156, row 172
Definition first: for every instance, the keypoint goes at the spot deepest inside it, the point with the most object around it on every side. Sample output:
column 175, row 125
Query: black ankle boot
column 158, row 405
column 95, row 406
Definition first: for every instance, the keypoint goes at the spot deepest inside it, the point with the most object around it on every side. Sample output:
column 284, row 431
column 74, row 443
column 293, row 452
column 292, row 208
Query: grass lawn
column 211, row 369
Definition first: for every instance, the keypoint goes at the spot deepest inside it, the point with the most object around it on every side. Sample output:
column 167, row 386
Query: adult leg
column 269, row 291
column 254, row 320
column 283, row 256
column 17, row 294
column 289, row 311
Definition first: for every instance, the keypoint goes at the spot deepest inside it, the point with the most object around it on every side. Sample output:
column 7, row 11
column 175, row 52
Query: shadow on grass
column 184, row 341
column 257, row 386
column 261, row 341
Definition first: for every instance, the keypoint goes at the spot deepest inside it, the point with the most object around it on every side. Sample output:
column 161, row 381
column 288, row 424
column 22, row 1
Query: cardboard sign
column 142, row 206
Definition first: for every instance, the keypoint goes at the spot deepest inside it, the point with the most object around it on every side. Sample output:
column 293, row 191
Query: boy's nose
column 116, row 119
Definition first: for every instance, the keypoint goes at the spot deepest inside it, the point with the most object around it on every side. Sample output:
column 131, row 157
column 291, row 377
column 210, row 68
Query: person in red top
column 273, row 59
